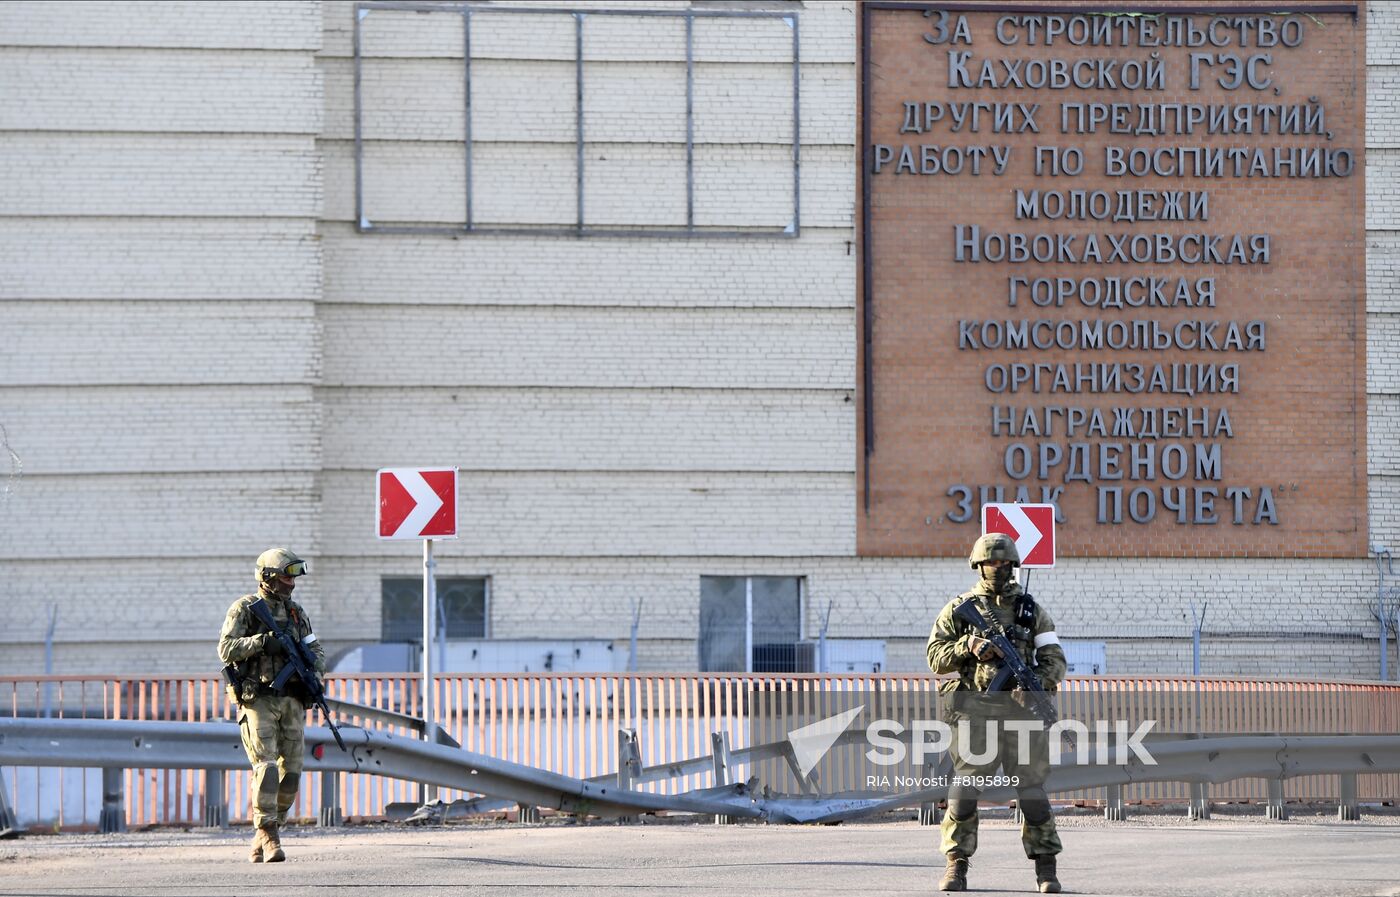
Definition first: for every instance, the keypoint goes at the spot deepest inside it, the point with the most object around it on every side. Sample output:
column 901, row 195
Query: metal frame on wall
column 580, row 227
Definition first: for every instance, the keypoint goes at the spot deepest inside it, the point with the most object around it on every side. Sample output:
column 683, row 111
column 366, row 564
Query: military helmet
column 994, row 547
column 279, row 562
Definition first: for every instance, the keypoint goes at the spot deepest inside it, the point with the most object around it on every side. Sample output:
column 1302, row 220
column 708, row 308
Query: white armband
column 1046, row 638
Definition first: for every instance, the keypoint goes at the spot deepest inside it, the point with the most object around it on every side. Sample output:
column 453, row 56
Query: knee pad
column 1031, row 792
column 962, row 810
column 1034, row 805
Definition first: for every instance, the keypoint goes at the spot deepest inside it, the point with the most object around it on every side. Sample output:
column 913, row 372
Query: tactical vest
column 260, row 670
column 977, row 675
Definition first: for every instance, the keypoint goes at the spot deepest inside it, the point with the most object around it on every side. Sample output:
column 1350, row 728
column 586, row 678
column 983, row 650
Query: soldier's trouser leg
column 258, row 729
column 1038, row 833
column 271, row 729
column 958, row 830
column 970, row 759
column 293, row 741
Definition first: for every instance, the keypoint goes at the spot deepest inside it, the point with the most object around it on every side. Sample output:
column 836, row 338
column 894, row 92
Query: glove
column 982, row 649
column 271, row 645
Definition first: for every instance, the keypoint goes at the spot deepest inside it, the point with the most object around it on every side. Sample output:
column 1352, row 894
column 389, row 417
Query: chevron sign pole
column 420, row 503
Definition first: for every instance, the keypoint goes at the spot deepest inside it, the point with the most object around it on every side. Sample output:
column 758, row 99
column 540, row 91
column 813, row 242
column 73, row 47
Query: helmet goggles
column 295, row 568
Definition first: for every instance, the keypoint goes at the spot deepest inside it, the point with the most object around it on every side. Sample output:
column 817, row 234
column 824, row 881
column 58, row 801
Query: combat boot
column 259, row 844
column 955, row 876
column 1045, row 874
column 272, row 844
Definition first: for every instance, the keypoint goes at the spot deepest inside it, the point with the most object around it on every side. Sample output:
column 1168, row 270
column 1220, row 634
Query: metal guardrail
column 160, row 745
column 570, row 724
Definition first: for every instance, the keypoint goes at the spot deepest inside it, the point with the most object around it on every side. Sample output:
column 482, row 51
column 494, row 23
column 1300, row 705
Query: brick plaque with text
column 1115, row 262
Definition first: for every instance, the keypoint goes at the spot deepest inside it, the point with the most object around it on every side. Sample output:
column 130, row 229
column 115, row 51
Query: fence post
column 330, row 814
column 629, row 759
column 215, row 802
column 629, row 765
column 9, row 825
column 1199, row 806
column 1275, row 808
column 113, row 818
column 719, row 755
column 1114, row 809
column 1347, row 809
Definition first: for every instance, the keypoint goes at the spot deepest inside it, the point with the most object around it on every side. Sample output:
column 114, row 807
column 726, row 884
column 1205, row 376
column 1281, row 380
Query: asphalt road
column 1143, row 857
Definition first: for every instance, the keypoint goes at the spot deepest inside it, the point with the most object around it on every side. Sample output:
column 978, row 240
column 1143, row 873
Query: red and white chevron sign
column 416, row 502
column 1032, row 526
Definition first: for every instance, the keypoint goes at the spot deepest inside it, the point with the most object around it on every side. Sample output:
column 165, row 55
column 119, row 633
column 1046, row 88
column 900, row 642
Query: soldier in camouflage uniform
column 272, row 722
column 955, row 646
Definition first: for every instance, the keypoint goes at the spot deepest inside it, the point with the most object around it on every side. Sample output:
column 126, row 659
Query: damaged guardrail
column 175, row 745
column 161, row 745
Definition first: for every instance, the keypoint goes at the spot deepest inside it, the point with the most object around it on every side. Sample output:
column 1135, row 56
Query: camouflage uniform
column 948, row 652
column 272, row 725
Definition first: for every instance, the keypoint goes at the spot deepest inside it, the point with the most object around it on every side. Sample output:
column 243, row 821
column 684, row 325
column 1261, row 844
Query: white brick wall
column 1382, row 274
column 140, row 175
column 154, row 517
column 827, row 32
column 138, row 656
column 817, row 271
column 590, row 429
column 201, row 91
column 190, row 594
column 412, row 99
column 197, row 375
column 1384, row 503
column 734, row 186
column 1382, row 106
column 159, row 262
column 524, row 164
column 502, row 346
column 59, row 430
column 1382, row 346
column 421, row 99
column 1382, row 34
column 1383, row 188
column 1383, row 435
column 110, row 343
column 389, row 33
column 552, row 36
column 152, row 258
column 618, row 514
column 228, row 24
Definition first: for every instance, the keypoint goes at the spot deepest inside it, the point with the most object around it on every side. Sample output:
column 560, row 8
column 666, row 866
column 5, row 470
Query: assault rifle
column 300, row 663
column 1011, row 667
